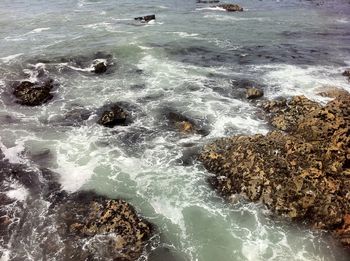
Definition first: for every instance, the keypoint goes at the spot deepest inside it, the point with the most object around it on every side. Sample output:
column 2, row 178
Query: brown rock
column 231, row 7
column 113, row 116
column 33, row 94
column 301, row 172
column 253, row 93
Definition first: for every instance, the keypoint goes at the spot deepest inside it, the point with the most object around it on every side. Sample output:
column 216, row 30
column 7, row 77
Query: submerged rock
column 231, row 7
column 100, row 67
column 183, row 124
column 113, row 116
column 300, row 171
column 146, row 18
column 253, row 93
column 33, row 94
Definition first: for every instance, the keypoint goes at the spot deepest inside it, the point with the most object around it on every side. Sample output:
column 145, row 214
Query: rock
column 207, row 1
column 182, row 123
column 231, row 7
column 332, row 92
column 120, row 231
column 253, row 93
column 346, row 73
column 33, row 94
column 145, row 19
column 113, row 116
column 100, row 67
column 300, row 171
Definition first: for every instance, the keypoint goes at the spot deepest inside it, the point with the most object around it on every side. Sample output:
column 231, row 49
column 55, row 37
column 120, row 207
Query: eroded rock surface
column 254, row 93
column 300, row 171
column 113, row 116
column 33, row 94
column 231, row 7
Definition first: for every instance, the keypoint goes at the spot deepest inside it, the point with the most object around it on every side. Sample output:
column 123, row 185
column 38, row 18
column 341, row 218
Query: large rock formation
column 300, row 171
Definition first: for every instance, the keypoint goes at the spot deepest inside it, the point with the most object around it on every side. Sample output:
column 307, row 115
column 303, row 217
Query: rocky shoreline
column 300, row 170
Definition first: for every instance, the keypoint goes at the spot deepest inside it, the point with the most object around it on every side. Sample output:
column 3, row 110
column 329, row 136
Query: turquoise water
column 192, row 59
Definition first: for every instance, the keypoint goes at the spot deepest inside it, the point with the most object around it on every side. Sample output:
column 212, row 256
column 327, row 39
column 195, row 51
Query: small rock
column 145, row 19
column 253, row 93
column 33, row 94
column 346, row 73
column 112, row 117
column 231, row 7
column 100, row 67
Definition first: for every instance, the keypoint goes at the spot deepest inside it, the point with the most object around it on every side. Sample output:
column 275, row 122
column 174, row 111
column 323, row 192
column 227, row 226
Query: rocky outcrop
column 231, row 7
column 33, row 93
column 346, row 73
column 115, row 222
column 79, row 226
column 113, row 116
column 300, row 171
column 145, row 19
column 254, row 93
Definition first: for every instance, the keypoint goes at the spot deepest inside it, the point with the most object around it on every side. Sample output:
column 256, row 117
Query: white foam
column 185, row 34
column 13, row 154
column 290, row 80
column 216, row 8
column 226, row 18
column 39, row 30
column 10, row 57
column 17, row 192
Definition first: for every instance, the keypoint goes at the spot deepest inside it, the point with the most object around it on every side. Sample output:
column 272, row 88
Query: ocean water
column 193, row 59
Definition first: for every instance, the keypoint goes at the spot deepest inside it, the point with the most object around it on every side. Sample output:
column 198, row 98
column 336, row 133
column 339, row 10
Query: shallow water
column 193, row 59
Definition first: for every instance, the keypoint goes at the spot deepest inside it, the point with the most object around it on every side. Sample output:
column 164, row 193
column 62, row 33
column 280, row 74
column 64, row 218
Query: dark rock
column 347, row 73
column 100, row 67
column 301, row 172
column 231, row 7
column 207, row 1
column 146, row 18
column 182, row 123
column 33, row 94
column 113, row 116
column 253, row 93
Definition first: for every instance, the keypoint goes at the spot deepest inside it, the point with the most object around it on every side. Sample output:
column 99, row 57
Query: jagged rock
column 332, row 92
column 100, row 67
column 300, row 171
column 231, row 7
column 115, row 222
column 253, row 93
column 346, row 73
column 33, row 94
column 113, row 116
column 146, row 18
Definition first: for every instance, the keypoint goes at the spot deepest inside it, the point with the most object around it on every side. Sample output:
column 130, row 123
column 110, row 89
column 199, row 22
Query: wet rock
column 33, row 94
column 145, row 19
column 113, row 116
column 300, row 171
column 346, row 73
column 100, row 67
column 183, row 124
column 121, row 232
column 253, row 93
column 231, row 7
column 207, row 1
column 332, row 92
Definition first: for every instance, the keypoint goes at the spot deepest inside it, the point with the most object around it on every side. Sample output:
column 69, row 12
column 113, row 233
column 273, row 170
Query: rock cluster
column 231, row 7
column 300, row 171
